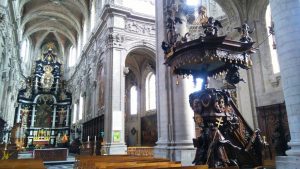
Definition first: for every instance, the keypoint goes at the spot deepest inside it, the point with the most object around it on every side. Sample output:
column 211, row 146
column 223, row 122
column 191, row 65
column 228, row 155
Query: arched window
column 273, row 51
column 150, row 92
column 93, row 12
column 75, row 113
column 81, row 107
column 72, row 56
column 133, row 100
column 25, row 49
column 192, row 2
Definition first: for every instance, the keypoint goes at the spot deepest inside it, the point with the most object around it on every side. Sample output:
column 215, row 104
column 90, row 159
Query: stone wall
column 10, row 72
column 118, row 33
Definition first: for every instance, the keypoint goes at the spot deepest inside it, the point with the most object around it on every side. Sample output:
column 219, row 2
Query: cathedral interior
column 200, row 82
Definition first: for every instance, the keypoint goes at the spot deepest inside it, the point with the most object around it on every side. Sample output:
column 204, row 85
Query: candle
column 88, row 138
column 95, row 139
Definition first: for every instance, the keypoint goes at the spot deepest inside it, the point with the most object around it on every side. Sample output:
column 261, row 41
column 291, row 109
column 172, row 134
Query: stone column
column 32, row 116
column 114, row 97
column 36, row 85
column 162, row 89
column 19, row 113
column 287, row 27
column 114, row 103
column 56, row 86
column 67, row 117
column 54, row 116
column 175, row 117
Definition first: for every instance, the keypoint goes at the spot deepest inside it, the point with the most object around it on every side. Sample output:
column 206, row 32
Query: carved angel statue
column 245, row 30
column 202, row 16
column 172, row 35
column 211, row 27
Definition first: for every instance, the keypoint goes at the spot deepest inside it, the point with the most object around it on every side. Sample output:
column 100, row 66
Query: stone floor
column 68, row 164
column 61, row 166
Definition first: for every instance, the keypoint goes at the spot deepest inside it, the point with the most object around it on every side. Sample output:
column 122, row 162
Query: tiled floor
column 62, row 166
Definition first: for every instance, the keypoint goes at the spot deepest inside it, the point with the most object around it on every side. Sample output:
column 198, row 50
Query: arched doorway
column 140, row 101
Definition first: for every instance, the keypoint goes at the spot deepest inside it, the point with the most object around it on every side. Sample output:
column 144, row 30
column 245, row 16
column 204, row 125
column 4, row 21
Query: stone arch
column 143, row 45
column 139, row 55
column 257, row 9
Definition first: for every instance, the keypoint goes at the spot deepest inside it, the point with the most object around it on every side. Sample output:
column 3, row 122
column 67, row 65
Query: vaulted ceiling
column 59, row 21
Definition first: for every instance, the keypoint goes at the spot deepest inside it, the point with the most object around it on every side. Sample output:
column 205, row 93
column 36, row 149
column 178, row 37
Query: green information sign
column 116, row 136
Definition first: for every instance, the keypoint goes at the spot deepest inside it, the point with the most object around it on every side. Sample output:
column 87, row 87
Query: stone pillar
column 285, row 15
column 54, row 116
column 36, row 85
column 114, row 102
column 162, row 82
column 19, row 113
column 175, row 117
column 67, row 117
column 32, row 116
column 56, row 86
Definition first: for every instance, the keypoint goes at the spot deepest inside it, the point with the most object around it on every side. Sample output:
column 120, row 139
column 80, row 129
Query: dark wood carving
column 93, row 128
column 226, row 139
column 149, row 130
column 273, row 122
column 56, row 154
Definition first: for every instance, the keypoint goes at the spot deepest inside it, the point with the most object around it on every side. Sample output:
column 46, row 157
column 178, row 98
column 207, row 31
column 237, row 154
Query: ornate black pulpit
column 226, row 139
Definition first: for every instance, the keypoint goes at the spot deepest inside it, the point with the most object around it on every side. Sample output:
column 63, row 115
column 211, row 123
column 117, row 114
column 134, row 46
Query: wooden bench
column 128, row 162
column 141, row 164
column 88, row 162
column 22, row 164
column 169, row 166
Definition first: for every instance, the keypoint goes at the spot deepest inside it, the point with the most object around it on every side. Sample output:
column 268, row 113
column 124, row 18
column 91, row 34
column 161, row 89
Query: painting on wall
column 149, row 130
column 43, row 116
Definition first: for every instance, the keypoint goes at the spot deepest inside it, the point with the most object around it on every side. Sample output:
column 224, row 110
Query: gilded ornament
column 47, row 78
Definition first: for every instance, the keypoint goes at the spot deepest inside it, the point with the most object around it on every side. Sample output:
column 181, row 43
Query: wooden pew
column 168, row 167
column 129, row 159
column 22, row 164
column 88, row 162
column 142, row 164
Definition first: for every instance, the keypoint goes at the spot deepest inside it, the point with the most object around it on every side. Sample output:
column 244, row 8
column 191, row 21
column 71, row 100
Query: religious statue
column 202, row 16
column 24, row 113
column 47, row 78
column 245, row 30
column 233, row 75
column 211, row 27
column 61, row 115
